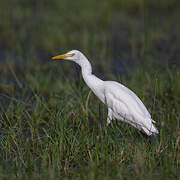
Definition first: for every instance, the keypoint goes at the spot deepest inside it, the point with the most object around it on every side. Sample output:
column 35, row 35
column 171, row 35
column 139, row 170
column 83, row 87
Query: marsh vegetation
column 48, row 127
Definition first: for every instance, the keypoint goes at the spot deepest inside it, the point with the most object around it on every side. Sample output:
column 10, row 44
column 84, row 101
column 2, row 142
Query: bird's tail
column 151, row 129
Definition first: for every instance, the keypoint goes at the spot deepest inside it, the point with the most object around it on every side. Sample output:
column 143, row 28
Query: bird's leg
column 109, row 118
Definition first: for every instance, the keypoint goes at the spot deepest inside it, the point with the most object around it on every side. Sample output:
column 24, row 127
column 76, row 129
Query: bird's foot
column 153, row 139
column 108, row 122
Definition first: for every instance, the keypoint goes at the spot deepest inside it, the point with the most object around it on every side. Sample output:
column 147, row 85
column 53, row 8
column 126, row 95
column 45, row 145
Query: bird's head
column 77, row 57
column 73, row 55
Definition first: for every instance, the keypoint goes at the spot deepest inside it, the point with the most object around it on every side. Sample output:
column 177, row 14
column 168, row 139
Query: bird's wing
column 118, row 107
column 119, row 93
column 122, row 111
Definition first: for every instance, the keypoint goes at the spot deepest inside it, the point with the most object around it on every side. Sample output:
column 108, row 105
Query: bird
column 122, row 103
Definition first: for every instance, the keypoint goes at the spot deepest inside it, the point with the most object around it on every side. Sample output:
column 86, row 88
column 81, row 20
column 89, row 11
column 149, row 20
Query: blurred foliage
column 45, row 26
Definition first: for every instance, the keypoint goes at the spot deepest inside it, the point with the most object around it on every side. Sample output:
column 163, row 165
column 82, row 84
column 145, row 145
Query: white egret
column 121, row 102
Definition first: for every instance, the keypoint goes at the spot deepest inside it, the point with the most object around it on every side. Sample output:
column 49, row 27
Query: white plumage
column 122, row 103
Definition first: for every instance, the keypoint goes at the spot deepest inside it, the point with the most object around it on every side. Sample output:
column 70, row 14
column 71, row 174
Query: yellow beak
column 63, row 56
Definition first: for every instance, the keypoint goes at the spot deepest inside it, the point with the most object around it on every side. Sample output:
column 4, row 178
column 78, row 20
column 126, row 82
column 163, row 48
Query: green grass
column 46, row 133
column 49, row 129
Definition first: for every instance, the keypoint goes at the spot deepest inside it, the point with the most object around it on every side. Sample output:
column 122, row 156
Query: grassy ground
column 49, row 129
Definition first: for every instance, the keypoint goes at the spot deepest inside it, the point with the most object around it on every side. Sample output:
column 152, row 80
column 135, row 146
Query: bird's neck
column 93, row 82
column 86, row 67
column 88, row 77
